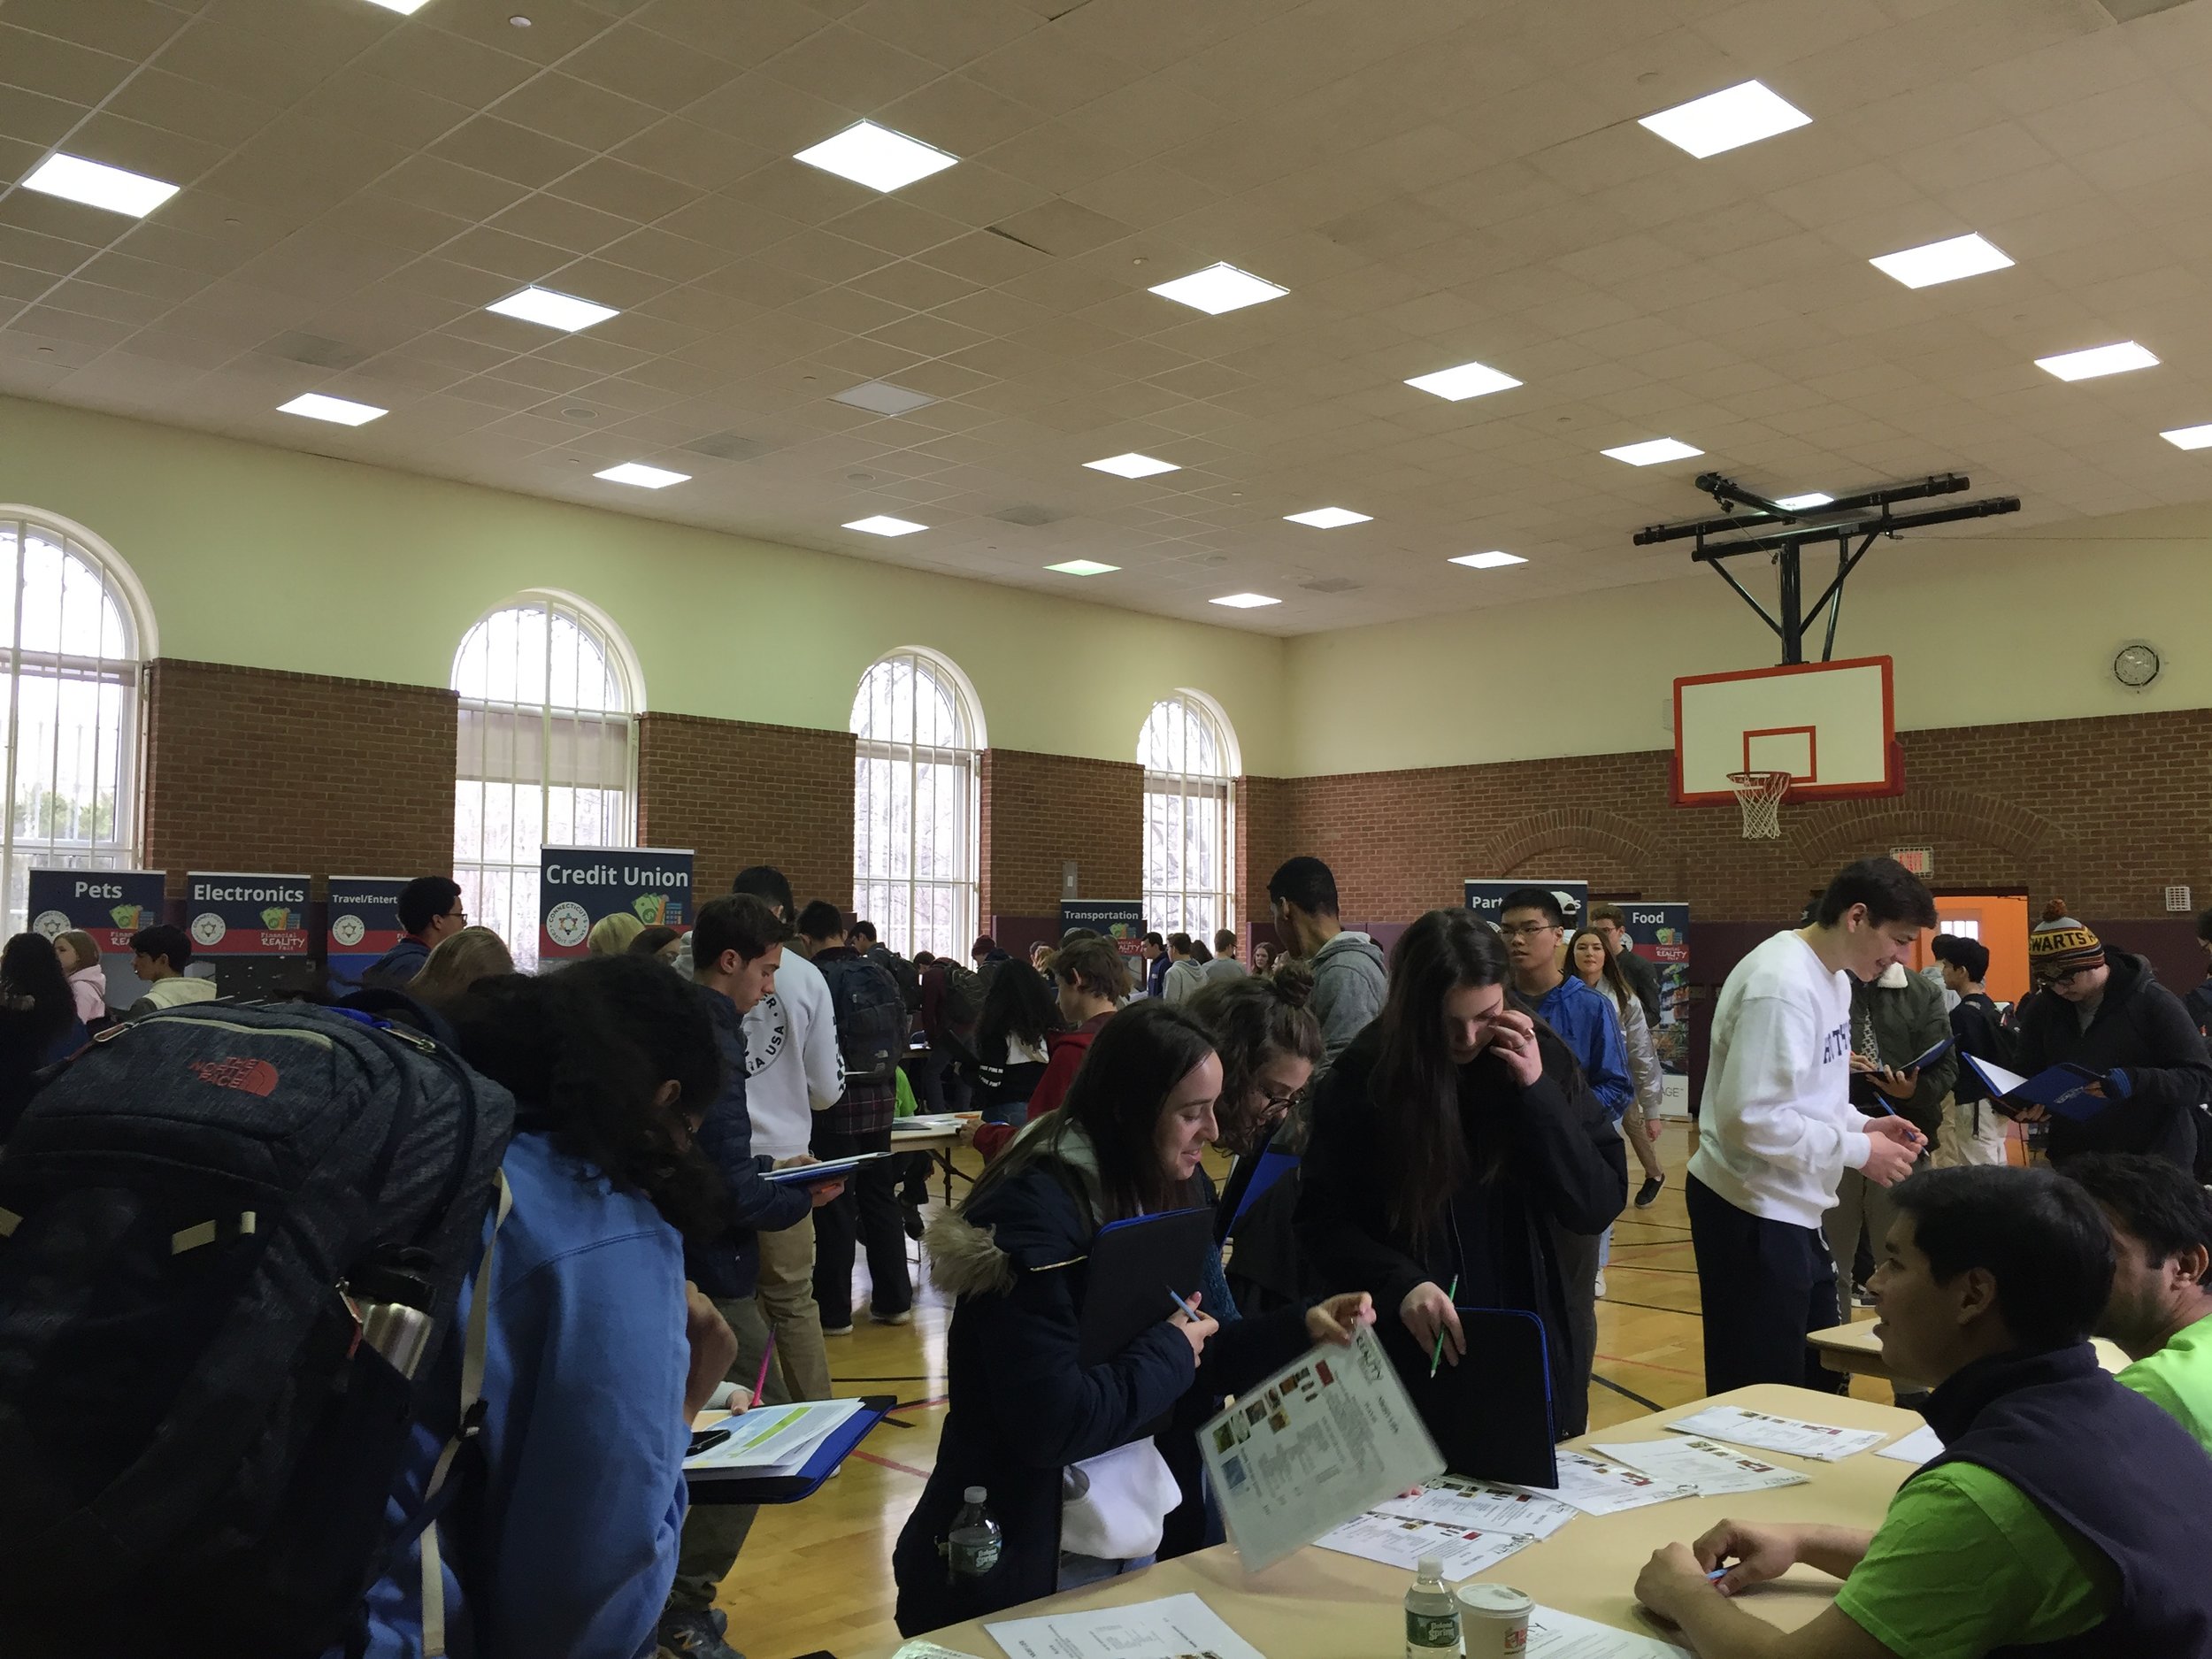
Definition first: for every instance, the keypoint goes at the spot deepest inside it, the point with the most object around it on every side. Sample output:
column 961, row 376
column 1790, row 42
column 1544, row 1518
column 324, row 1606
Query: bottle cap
column 974, row 1494
column 1431, row 1567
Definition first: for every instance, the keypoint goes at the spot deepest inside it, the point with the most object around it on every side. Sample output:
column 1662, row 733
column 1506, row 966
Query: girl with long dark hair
column 38, row 1019
column 1077, row 1482
column 1447, row 1139
column 1019, row 1014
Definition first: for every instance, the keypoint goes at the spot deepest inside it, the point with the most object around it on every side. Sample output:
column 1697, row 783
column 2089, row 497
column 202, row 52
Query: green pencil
column 1437, row 1358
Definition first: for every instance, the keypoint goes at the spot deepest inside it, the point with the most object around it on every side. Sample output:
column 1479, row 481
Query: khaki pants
column 1961, row 1143
column 714, row 1532
column 786, row 1296
column 1859, row 1203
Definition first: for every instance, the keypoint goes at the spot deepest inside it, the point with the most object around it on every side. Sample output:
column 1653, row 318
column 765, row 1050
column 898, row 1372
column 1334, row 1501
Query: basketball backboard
column 1831, row 725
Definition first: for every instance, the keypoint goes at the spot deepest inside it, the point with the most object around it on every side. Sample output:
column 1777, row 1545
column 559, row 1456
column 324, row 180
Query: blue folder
column 2062, row 1090
column 708, row 1486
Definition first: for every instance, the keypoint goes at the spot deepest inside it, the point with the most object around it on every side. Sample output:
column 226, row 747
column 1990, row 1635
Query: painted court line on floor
column 886, row 1462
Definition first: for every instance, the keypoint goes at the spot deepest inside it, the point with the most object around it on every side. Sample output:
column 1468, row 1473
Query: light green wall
column 1984, row 630
column 280, row 560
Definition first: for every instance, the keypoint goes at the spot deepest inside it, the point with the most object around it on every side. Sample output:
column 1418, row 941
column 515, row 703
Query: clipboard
column 1133, row 1266
column 828, row 1169
column 707, row 1487
column 1930, row 1058
column 1491, row 1413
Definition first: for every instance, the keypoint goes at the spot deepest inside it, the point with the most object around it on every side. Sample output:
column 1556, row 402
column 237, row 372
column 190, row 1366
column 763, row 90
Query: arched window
column 74, row 634
column 914, row 803
column 547, row 754
column 1190, row 762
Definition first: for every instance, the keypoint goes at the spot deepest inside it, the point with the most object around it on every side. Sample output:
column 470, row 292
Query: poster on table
column 235, row 915
column 1660, row 934
column 1121, row 920
column 579, row 886
column 109, row 904
column 363, row 925
column 1487, row 899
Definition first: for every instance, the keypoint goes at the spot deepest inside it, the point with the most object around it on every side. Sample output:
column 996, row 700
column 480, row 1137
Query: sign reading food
column 363, row 925
column 232, row 915
column 579, row 886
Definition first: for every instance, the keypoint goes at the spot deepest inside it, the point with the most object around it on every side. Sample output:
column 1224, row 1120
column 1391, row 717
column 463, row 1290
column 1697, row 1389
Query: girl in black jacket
column 1446, row 1140
column 1024, row 1411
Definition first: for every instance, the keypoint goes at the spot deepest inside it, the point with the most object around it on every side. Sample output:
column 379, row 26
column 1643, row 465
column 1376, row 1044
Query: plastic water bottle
column 973, row 1546
column 1431, row 1616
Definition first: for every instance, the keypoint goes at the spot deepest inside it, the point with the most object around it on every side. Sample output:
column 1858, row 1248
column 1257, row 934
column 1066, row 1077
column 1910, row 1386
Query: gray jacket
column 1348, row 983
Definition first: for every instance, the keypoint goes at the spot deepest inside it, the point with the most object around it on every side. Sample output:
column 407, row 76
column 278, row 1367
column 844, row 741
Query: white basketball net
column 1760, row 795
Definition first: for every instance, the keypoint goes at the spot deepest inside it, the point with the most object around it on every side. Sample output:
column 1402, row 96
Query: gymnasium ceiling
column 1434, row 181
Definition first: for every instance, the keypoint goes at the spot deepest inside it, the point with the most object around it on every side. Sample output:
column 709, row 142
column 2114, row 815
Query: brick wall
column 2102, row 813
column 739, row 794
column 1040, row 810
column 251, row 769
column 1265, row 837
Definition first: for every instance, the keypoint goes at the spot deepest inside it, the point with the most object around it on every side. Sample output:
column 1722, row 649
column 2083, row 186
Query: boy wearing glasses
column 2107, row 1012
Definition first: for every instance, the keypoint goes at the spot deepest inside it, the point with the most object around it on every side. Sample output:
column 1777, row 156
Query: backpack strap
column 435, row 1496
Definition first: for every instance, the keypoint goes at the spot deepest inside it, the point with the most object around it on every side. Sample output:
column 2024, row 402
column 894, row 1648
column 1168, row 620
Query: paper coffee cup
column 1494, row 1620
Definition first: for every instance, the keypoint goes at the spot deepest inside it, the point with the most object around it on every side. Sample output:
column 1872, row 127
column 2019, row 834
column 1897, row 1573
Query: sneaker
column 1599, row 1290
column 1647, row 1194
column 845, row 1329
column 696, row 1635
column 904, row 1316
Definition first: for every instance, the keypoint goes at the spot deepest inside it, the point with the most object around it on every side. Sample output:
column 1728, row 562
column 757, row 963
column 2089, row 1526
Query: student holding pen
column 1066, row 1452
column 1449, row 1138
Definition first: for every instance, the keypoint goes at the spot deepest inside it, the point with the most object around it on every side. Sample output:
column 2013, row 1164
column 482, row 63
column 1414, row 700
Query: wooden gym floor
column 817, row 1575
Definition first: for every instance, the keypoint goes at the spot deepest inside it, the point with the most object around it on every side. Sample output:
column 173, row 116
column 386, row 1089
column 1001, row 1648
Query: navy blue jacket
column 729, row 1269
column 399, row 965
column 1021, row 1408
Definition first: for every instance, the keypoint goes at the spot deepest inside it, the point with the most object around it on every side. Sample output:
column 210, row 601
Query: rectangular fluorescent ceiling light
column 344, row 411
column 1218, row 289
column 877, row 157
column 883, row 523
column 880, row 397
column 1131, row 466
column 1328, row 518
column 2087, row 366
column 405, row 8
column 1726, row 119
column 1492, row 561
column 2189, row 437
column 1942, row 261
column 550, row 309
column 1469, row 379
column 1083, row 567
column 96, row 184
column 1800, row 503
column 1244, row 601
column 1652, row 451
column 643, row 476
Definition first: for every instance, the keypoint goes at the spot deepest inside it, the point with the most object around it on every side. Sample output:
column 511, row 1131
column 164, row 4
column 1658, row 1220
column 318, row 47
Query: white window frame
column 515, row 914
column 122, row 848
column 887, row 885
column 1173, row 902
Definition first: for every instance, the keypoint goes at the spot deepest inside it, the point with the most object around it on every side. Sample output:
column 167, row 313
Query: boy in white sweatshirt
column 1776, row 1128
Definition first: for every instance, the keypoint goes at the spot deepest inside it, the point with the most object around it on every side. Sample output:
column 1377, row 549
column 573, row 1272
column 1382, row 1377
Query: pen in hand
column 1180, row 1304
column 1436, row 1358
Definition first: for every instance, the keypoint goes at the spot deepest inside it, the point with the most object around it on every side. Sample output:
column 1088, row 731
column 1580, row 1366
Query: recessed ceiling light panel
column 2189, row 437
column 1244, row 601
column 341, row 411
column 1491, row 561
column 1726, row 119
column 877, row 157
column 551, row 309
column 1946, row 261
column 883, row 523
column 1803, row 504
column 1328, row 518
column 1218, row 289
column 1652, row 451
column 96, row 184
column 643, row 476
column 1083, row 567
column 1469, row 379
column 405, row 8
column 1132, row 466
column 2098, row 360
column 880, row 397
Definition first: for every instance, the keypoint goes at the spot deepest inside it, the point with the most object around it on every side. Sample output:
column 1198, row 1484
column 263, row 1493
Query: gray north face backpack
column 197, row 1434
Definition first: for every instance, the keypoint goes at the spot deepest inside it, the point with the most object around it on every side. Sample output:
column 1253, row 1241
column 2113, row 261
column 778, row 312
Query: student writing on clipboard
column 1447, row 1139
column 1065, row 1450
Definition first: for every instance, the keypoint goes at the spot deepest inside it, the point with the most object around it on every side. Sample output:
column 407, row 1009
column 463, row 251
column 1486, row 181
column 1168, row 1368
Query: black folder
column 1491, row 1413
column 1133, row 1266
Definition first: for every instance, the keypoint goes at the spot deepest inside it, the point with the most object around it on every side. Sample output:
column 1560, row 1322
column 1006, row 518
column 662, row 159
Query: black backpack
column 198, row 1446
column 871, row 1023
column 961, row 1005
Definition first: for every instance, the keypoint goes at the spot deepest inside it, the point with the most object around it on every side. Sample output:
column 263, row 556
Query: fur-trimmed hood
column 1029, row 1218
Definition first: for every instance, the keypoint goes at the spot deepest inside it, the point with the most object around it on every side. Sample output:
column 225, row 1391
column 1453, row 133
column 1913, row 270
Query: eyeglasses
column 1280, row 1103
column 1528, row 930
column 2061, row 975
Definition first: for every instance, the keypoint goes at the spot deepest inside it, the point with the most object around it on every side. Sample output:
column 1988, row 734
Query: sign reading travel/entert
column 1487, row 899
column 234, row 915
column 109, row 904
column 578, row 885
column 363, row 925
column 1121, row 920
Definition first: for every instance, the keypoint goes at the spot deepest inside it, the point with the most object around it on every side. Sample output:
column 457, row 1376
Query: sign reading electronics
column 246, row 915
column 579, row 887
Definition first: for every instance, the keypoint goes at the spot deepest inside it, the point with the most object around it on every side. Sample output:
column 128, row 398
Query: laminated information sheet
column 1174, row 1627
column 1771, row 1433
column 1706, row 1467
column 1324, row 1439
column 1553, row 1634
column 1597, row 1487
column 1396, row 1540
column 1485, row 1506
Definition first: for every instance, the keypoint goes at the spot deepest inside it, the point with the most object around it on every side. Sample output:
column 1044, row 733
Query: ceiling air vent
column 2128, row 11
column 1029, row 514
column 727, row 446
column 1331, row 585
column 315, row 349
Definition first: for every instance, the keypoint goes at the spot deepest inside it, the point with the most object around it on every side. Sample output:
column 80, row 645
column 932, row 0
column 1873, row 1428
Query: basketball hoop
column 1760, row 795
